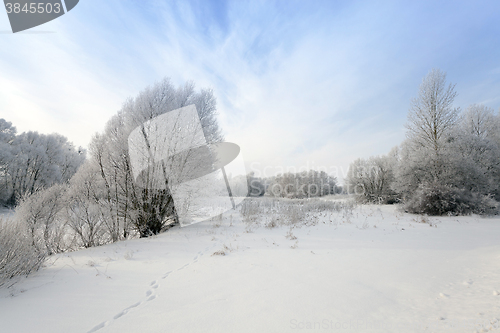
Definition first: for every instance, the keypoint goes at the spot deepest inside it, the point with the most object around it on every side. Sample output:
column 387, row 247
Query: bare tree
column 371, row 179
column 147, row 207
column 431, row 114
column 432, row 119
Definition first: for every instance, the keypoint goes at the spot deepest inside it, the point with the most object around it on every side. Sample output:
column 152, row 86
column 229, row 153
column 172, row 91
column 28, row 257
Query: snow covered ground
column 6, row 212
column 377, row 270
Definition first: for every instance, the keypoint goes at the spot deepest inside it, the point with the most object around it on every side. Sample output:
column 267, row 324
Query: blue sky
column 300, row 84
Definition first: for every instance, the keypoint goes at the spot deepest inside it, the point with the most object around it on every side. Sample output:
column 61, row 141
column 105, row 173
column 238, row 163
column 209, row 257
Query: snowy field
column 372, row 270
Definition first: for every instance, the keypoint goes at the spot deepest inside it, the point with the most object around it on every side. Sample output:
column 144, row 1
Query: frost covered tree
column 475, row 151
column 469, row 157
column 431, row 122
column 7, row 136
column 432, row 116
column 30, row 162
column 371, row 179
column 128, row 207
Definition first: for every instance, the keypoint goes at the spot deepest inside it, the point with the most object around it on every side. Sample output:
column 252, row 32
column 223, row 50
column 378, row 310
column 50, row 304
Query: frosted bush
column 41, row 215
column 436, row 199
column 18, row 256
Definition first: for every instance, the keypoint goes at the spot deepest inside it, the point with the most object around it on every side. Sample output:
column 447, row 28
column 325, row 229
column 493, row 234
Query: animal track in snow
column 186, row 265
column 98, row 327
column 124, row 312
column 149, row 293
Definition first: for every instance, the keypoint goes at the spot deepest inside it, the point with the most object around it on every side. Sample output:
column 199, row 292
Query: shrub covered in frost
column 18, row 256
column 436, row 199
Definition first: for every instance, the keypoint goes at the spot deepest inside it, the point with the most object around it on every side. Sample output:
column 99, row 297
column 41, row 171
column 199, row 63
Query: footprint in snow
column 149, row 294
column 124, row 312
column 98, row 327
column 186, row 265
column 120, row 314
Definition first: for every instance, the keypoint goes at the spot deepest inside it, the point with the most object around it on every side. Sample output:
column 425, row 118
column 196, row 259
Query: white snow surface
column 379, row 270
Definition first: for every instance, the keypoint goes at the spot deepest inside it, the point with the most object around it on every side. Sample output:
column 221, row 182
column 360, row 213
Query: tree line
column 305, row 184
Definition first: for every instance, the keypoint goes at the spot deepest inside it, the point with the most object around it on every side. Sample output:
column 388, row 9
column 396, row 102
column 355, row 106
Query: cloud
column 297, row 83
